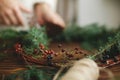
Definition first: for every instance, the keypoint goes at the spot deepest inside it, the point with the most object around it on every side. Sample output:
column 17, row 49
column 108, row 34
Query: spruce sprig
column 29, row 39
column 90, row 37
column 35, row 37
column 33, row 73
column 111, row 48
column 9, row 37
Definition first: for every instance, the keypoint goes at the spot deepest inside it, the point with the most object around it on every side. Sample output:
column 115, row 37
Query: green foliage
column 33, row 38
column 8, row 34
column 29, row 39
column 9, row 37
column 111, row 49
column 34, row 74
column 90, row 37
column 2, row 56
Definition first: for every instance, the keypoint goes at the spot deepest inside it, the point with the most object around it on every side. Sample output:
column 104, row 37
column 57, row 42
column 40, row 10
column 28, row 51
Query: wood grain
column 12, row 63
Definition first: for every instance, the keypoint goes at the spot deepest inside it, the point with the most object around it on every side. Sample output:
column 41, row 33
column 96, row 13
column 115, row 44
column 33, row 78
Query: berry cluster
column 48, row 54
column 18, row 48
column 69, row 54
column 44, row 53
column 110, row 57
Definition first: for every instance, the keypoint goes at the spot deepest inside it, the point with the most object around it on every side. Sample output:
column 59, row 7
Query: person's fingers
column 1, row 20
column 55, row 19
column 24, row 9
column 12, row 17
column 5, row 19
column 19, row 16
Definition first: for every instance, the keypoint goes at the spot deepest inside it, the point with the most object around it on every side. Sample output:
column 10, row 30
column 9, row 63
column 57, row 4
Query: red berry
column 110, row 61
column 41, row 46
column 36, row 51
column 55, row 54
column 49, row 52
column 76, row 52
column 70, row 55
column 52, row 52
column 63, row 50
column 85, row 54
column 44, row 56
column 17, row 45
column 59, row 46
column 117, row 57
column 66, row 53
column 46, row 51
column 76, row 49
column 80, row 52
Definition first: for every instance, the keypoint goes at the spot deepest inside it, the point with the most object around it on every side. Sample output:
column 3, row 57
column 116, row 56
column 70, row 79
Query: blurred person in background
column 11, row 13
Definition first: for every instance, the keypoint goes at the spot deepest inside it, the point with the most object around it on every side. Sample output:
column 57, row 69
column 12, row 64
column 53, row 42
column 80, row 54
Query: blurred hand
column 11, row 12
column 45, row 16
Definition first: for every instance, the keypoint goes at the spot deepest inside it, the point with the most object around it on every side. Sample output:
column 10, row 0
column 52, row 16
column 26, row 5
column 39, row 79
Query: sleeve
column 29, row 3
column 52, row 3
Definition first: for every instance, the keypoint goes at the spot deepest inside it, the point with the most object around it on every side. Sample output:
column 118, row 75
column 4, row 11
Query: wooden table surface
column 13, row 63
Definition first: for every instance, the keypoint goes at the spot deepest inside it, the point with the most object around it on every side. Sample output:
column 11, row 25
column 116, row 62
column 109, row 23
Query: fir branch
column 2, row 56
column 34, row 37
column 9, row 37
column 90, row 37
column 8, row 34
column 33, row 74
column 29, row 39
column 108, row 47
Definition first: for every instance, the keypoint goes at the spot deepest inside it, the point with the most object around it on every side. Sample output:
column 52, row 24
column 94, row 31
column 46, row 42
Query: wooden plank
column 11, row 64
